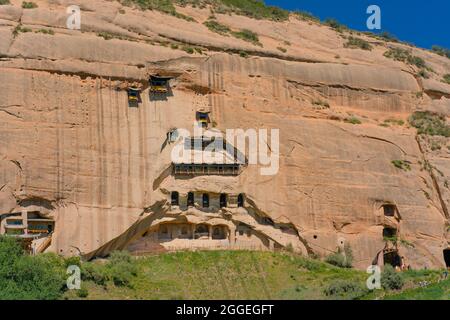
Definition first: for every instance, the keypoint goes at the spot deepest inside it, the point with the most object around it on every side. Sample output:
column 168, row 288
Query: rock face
column 72, row 149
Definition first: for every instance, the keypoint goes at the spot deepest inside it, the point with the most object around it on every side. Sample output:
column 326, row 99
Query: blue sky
column 422, row 22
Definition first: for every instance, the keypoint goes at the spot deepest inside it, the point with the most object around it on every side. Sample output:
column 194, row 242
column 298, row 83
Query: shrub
column 401, row 164
column 29, row 5
column 333, row 23
column 82, row 292
column 404, row 55
column 391, row 280
column 321, row 103
column 354, row 42
column 441, row 51
column 304, row 15
column 247, row 35
column 189, row 50
column 429, row 123
column 217, row 27
column 3, row 2
column 165, row 6
column 256, row 9
column 346, row 289
column 446, row 78
column 388, row 37
column 94, row 272
column 352, row 120
column 284, row 50
column 243, row 54
column 46, row 31
column 422, row 73
column 341, row 258
column 29, row 277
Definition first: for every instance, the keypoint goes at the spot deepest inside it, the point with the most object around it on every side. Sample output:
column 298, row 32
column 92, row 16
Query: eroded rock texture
column 73, row 149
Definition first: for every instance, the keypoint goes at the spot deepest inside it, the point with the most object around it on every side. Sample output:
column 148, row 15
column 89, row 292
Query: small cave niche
column 223, row 200
column 174, row 198
column 446, row 254
column 389, row 210
column 389, row 233
column 190, row 199
column 205, row 200
column 240, row 200
column 219, row 233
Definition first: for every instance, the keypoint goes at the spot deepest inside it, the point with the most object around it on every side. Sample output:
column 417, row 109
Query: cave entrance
column 389, row 233
column 201, row 231
column 219, row 233
column 447, row 257
column 392, row 258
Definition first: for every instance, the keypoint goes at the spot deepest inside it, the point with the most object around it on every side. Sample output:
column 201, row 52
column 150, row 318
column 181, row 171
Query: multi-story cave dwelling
column 88, row 127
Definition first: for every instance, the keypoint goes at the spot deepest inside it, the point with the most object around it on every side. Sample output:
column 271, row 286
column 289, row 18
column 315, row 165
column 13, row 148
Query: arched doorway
column 219, row 233
column 447, row 257
column 392, row 258
column 190, row 199
column 174, row 198
column 201, row 231
column 205, row 200
column 223, row 200
column 240, row 200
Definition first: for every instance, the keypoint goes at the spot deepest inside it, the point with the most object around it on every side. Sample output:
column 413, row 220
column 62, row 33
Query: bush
column 217, row 27
column 352, row 120
column 446, row 78
column 354, row 42
column 429, row 123
column 3, row 2
column 29, row 5
column 403, row 55
column 391, row 280
column 304, row 15
column 29, row 277
column 341, row 258
column 120, row 269
column 256, row 9
column 46, row 31
column 83, row 292
column 345, row 289
column 441, row 51
column 333, row 23
column 401, row 164
column 247, row 35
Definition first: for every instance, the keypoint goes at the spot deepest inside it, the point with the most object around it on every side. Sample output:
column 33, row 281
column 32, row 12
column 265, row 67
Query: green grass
column 358, row 43
column 435, row 291
column 243, row 275
column 430, row 123
column 225, row 275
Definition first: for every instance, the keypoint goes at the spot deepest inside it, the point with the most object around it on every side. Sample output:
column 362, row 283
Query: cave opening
column 392, row 258
column 447, row 257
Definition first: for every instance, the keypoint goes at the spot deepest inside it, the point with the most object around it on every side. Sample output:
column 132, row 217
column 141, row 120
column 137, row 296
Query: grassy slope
column 232, row 275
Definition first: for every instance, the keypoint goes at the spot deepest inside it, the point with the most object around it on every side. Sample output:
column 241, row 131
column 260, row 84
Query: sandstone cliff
column 73, row 149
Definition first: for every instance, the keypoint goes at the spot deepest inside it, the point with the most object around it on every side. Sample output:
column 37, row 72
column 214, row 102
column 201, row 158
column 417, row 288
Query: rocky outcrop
column 69, row 138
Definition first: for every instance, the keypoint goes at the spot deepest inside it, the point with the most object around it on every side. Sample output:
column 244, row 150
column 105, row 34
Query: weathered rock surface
column 68, row 137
